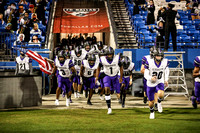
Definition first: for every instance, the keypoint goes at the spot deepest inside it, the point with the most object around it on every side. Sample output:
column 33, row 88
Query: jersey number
column 126, row 73
column 77, row 62
column 89, row 72
column 111, row 70
column 63, row 72
column 159, row 75
column 22, row 66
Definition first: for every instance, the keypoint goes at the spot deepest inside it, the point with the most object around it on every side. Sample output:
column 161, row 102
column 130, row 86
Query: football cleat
column 75, row 94
column 71, row 100
column 67, row 102
column 109, row 111
column 152, row 115
column 123, row 105
column 78, row 95
column 120, row 101
column 89, row 102
column 160, row 109
column 101, row 97
column 194, row 103
column 57, row 102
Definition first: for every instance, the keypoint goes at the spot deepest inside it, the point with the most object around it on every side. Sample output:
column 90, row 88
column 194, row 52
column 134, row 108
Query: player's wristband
column 131, row 80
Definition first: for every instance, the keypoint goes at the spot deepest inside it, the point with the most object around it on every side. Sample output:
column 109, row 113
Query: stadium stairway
column 126, row 37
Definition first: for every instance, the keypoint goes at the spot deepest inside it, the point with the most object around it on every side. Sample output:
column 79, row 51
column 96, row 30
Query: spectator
column 41, row 10
column 23, row 2
column 94, row 39
column 34, row 40
column 12, row 18
column 7, row 12
column 150, row 15
column 2, row 22
column 20, row 11
column 21, row 29
column 9, row 28
column 136, row 7
column 20, row 40
column 31, row 9
column 160, row 16
column 170, row 26
column 74, row 40
column 35, row 30
column 160, row 33
column 32, row 2
column 195, row 11
column 34, row 19
column 25, row 20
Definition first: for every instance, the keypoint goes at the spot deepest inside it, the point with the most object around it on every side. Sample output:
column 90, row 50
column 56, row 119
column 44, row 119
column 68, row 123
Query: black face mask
column 109, row 58
column 158, row 60
column 126, row 65
column 22, row 55
column 62, row 61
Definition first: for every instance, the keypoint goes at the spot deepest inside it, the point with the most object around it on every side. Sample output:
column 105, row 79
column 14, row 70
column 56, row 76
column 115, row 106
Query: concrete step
column 124, row 31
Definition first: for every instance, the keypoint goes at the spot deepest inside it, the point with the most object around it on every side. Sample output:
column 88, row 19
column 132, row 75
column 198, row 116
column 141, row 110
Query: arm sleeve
column 146, row 65
column 197, row 62
column 144, row 59
column 146, row 74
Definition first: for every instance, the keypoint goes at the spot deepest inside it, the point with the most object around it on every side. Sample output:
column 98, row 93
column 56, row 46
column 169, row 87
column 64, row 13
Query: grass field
column 82, row 120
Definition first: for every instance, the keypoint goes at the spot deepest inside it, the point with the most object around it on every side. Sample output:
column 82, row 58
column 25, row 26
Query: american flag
column 44, row 65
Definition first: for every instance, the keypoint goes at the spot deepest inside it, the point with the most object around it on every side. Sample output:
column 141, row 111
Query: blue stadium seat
column 186, row 22
column 189, row 27
column 186, row 39
column 181, row 32
column 193, row 32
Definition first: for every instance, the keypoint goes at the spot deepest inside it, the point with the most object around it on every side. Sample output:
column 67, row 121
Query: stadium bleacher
column 188, row 30
column 9, row 38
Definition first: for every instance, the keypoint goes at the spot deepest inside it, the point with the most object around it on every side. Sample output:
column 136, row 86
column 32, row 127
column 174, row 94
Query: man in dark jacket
column 170, row 27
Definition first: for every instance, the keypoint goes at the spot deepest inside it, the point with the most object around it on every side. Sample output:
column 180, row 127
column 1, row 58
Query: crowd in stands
column 158, row 21
column 27, row 19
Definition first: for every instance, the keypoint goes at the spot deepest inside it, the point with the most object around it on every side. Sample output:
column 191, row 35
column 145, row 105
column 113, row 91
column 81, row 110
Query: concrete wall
column 20, row 91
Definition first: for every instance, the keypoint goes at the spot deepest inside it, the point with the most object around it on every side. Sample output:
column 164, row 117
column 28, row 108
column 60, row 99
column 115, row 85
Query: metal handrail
column 112, row 22
column 49, row 22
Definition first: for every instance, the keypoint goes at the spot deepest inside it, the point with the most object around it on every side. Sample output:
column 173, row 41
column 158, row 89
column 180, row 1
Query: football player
column 157, row 74
column 87, row 74
column 111, row 65
column 196, row 74
column 128, row 67
column 144, row 60
column 65, row 69
column 77, row 57
column 23, row 65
